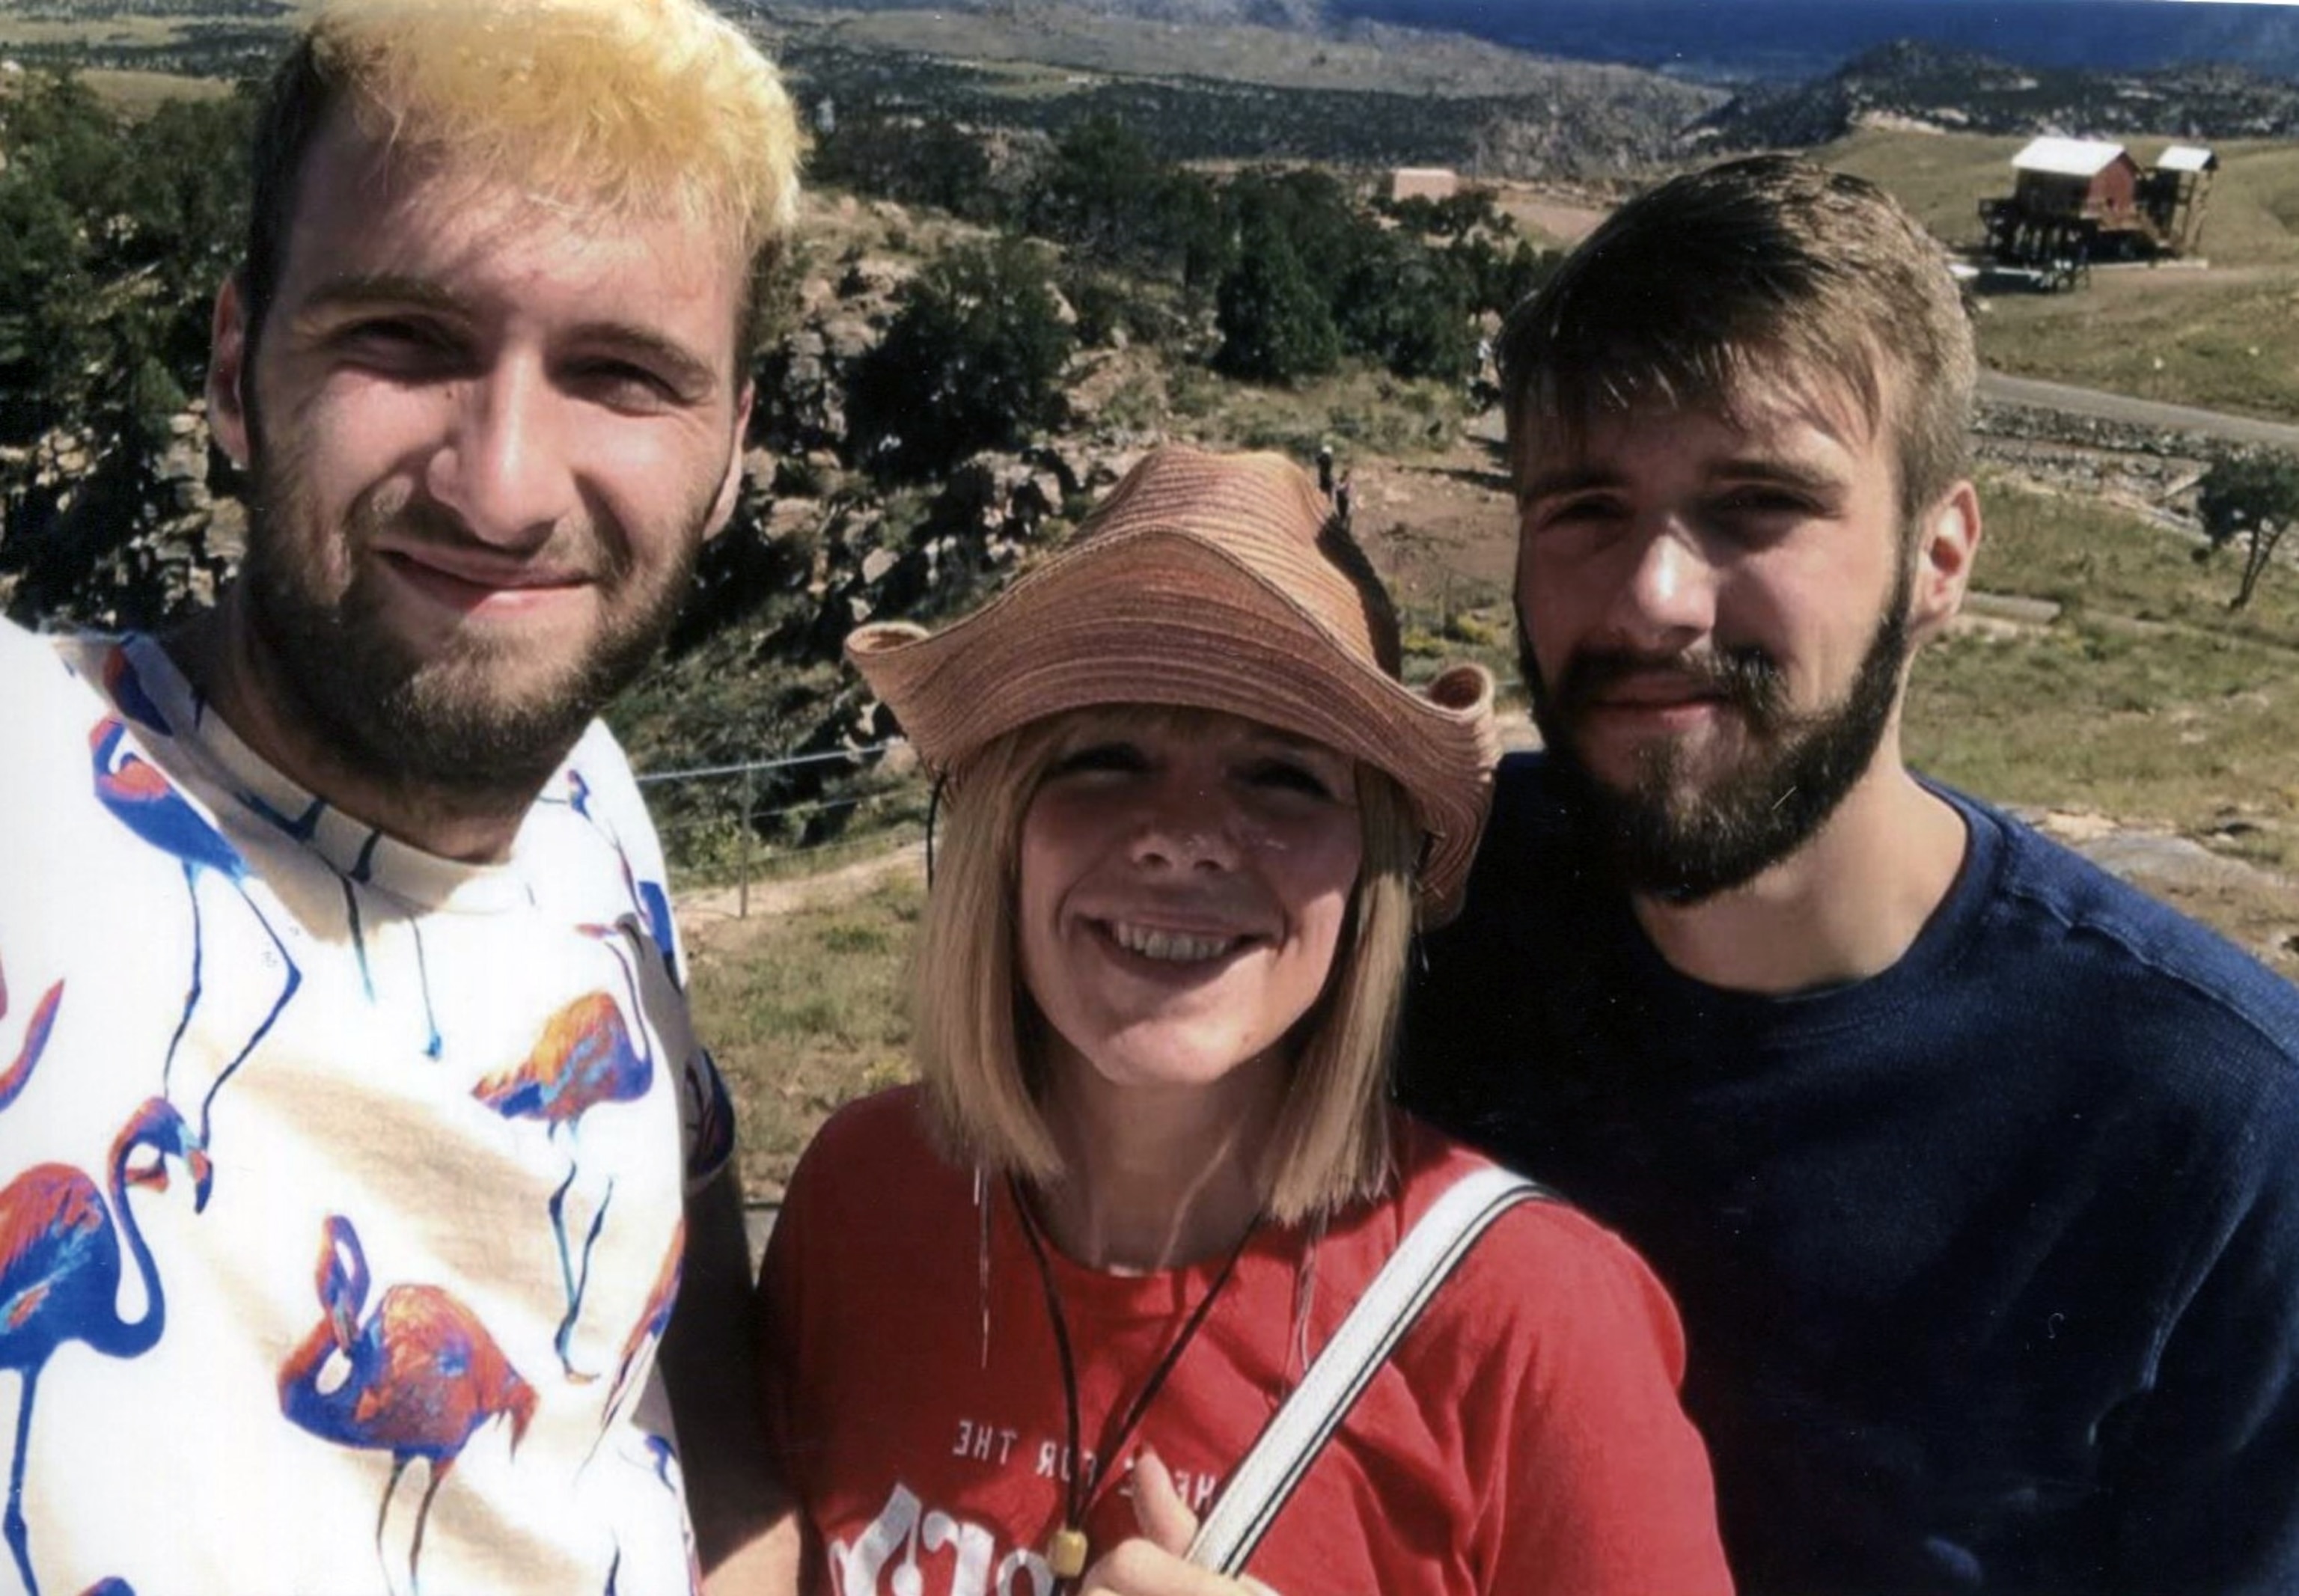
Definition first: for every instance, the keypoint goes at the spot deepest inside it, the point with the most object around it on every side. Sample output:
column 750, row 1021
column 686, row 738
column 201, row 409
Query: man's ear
column 227, row 374
column 730, row 486
column 1946, row 542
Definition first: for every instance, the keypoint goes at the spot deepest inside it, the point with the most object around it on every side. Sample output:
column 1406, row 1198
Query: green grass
column 1357, row 409
column 2146, row 700
column 2227, row 338
column 2174, row 336
column 802, row 1012
column 1941, row 177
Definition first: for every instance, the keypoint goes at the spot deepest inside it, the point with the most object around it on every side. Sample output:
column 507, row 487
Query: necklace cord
column 1085, row 1480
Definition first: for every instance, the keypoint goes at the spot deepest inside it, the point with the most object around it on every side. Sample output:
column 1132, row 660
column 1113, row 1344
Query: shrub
column 2255, row 495
column 1407, row 308
column 972, row 361
column 1275, row 325
column 931, row 163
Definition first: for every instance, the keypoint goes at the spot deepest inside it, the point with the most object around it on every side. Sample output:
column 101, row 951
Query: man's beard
column 1687, row 844
column 441, row 722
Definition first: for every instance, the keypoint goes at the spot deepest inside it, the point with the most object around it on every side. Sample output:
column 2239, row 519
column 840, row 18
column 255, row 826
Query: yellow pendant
column 1065, row 1552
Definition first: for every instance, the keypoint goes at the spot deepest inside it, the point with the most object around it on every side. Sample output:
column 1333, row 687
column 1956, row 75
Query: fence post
column 750, row 837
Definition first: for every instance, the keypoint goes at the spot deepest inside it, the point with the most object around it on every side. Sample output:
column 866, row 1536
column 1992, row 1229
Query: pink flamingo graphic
column 141, row 799
column 424, row 1375
column 60, row 1272
column 19, row 1073
column 586, row 1056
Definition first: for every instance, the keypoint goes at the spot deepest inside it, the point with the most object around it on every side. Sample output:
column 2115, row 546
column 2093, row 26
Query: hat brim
column 1157, row 616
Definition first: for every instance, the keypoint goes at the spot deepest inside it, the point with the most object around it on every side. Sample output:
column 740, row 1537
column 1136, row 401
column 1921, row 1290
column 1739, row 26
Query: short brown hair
column 977, row 1036
column 1749, row 272
column 630, row 105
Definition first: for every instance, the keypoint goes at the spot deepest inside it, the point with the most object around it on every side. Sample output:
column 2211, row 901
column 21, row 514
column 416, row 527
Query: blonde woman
column 1024, row 1317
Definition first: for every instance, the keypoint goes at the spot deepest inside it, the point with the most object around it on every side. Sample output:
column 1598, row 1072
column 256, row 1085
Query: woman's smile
column 1185, row 881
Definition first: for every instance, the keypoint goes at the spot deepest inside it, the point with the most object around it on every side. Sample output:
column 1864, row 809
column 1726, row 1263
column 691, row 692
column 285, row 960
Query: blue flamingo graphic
column 665, row 1460
column 424, row 1375
column 127, row 689
column 60, row 1272
column 141, row 799
column 586, row 1056
column 650, row 898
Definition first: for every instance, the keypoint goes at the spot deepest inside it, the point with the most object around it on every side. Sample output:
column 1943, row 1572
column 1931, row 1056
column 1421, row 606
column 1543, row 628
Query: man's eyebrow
column 1569, row 479
column 1787, row 474
column 380, row 288
column 685, row 370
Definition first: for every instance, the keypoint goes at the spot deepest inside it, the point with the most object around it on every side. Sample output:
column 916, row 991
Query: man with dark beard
column 347, row 1008
column 1970, row 1167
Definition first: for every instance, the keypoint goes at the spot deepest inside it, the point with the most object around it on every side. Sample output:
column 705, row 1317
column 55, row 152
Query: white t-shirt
column 443, row 1118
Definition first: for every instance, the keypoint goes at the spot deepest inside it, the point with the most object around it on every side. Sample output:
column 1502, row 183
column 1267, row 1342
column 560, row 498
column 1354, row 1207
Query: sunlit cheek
column 630, row 454
column 378, row 423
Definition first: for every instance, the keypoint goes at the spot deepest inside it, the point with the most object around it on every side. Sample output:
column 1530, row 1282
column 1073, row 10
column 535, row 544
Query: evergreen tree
column 972, row 361
column 1499, row 282
column 1407, row 307
column 1313, row 211
column 1100, row 194
column 1274, row 324
column 934, row 163
column 113, row 238
column 1195, row 231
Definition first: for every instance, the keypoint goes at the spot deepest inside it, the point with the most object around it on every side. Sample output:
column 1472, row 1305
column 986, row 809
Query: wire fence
column 758, row 818
column 734, row 823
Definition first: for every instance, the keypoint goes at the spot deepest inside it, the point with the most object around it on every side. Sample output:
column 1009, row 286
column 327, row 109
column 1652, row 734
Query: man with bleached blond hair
column 356, row 1155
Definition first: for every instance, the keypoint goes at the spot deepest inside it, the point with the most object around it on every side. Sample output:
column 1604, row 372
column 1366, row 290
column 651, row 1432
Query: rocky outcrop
column 106, row 533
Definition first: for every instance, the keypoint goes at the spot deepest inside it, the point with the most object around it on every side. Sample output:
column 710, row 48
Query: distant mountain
column 1910, row 80
column 1747, row 40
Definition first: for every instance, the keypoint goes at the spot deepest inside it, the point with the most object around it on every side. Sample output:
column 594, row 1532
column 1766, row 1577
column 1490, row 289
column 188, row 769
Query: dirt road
column 2138, row 413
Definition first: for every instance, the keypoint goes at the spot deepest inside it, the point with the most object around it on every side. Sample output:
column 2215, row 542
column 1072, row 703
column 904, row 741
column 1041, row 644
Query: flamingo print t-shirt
column 340, row 1185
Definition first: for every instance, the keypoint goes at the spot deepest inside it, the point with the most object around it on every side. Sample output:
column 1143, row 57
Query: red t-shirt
column 1525, row 1436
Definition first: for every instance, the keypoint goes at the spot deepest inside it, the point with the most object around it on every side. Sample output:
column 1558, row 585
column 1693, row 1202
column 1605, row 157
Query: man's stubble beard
column 1687, row 845
column 434, row 724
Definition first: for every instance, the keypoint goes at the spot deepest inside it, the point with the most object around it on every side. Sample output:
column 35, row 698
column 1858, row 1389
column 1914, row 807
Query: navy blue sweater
column 1990, row 1263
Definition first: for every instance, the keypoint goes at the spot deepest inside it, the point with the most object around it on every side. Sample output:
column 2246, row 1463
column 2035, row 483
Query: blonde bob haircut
column 623, row 108
column 978, row 1038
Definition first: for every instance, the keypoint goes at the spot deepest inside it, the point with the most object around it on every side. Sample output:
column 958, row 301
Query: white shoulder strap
column 1297, row 1431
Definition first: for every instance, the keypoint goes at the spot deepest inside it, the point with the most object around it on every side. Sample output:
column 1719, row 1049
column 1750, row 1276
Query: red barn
column 2076, row 177
column 2074, row 200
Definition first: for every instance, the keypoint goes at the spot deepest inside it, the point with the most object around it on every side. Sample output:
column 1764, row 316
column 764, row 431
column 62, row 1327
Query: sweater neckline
column 1823, row 1012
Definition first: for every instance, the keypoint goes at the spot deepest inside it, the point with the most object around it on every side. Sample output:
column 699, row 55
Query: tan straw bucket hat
column 1212, row 582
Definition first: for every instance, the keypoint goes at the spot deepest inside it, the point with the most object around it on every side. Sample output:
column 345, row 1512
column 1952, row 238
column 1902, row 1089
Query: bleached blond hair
column 624, row 107
column 978, row 1038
